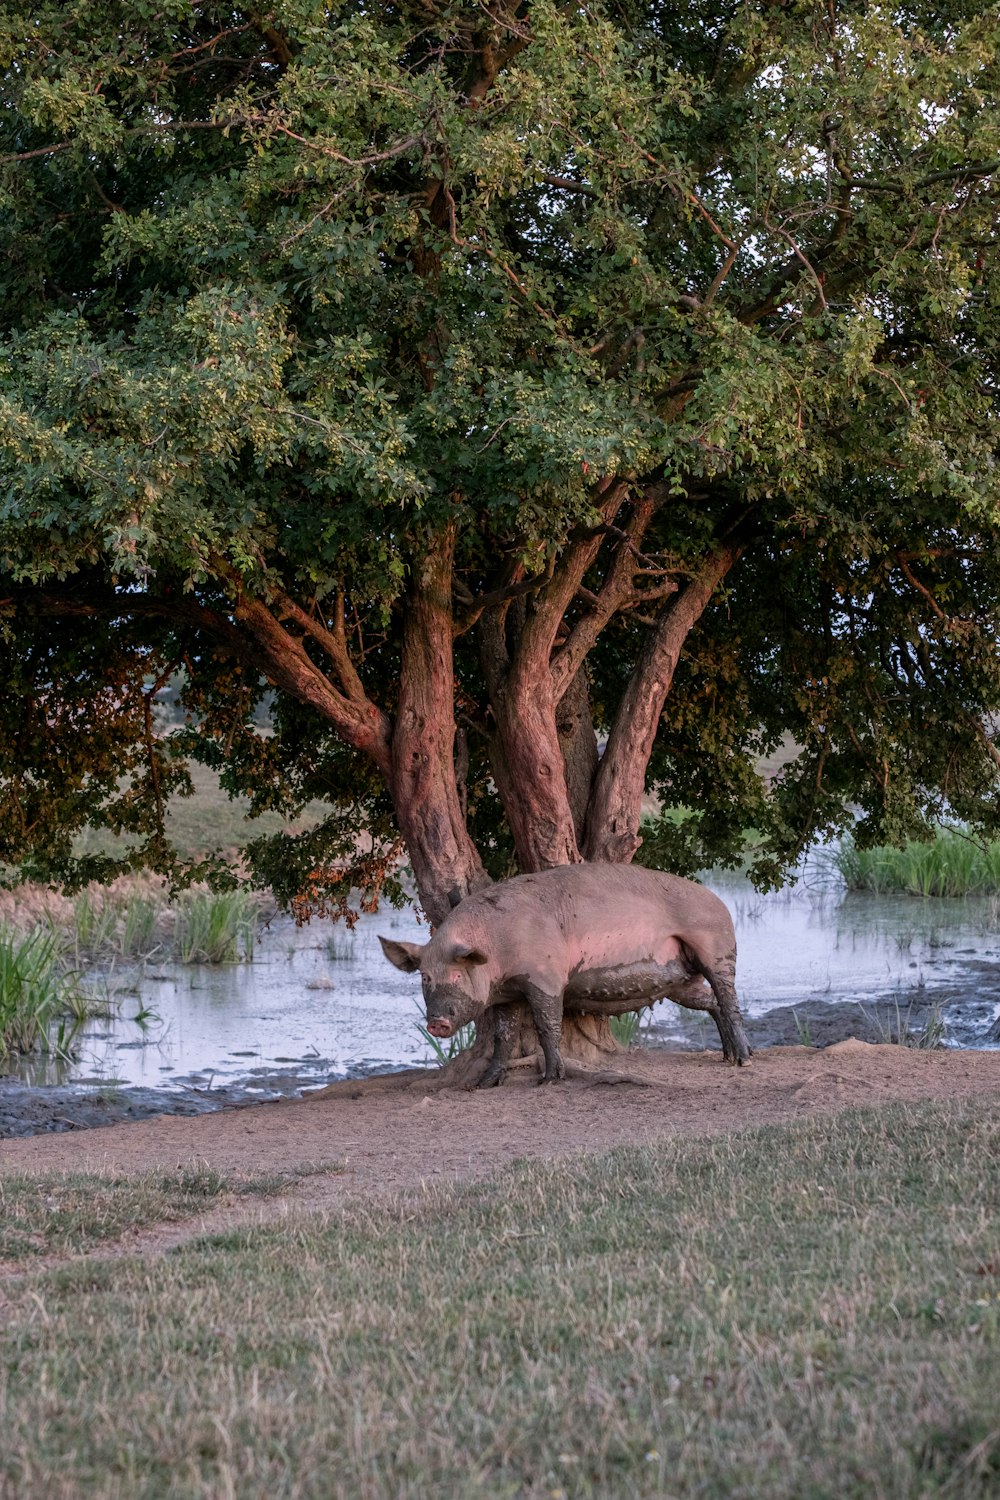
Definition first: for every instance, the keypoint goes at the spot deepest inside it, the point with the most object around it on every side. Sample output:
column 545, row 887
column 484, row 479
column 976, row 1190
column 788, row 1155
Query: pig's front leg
column 546, row 1012
column 504, row 1031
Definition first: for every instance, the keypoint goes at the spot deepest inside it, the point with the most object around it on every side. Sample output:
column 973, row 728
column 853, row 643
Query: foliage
column 807, row 1309
column 286, row 301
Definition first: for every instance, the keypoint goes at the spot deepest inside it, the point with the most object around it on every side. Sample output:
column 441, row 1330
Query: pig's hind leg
column 720, row 971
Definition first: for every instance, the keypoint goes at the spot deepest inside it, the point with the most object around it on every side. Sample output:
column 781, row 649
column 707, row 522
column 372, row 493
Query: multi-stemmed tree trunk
column 563, row 801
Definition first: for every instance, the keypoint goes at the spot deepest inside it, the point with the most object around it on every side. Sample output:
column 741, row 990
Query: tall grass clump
column 951, row 864
column 627, row 1028
column 125, row 919
column 95, row 922
column 41, row 1008
column 216, row 927
column 125, row 927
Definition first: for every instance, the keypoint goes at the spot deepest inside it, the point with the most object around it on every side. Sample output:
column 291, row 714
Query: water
column 319, row 1002
column 814, row 952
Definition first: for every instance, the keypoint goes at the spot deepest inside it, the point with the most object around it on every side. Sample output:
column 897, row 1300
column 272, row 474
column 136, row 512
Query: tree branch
column 616, row 801
column 966, row 173
column 334, row 642
column 534, row 649
column 287, row 663
column 569, row 184
column 478, row 606
column 263, row 644
column 616, row 589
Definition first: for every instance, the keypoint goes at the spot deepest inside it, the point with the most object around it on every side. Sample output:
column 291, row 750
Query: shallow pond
column 319, row 1002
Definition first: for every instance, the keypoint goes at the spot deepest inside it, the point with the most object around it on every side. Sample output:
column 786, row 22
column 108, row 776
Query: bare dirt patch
column 403, row 1132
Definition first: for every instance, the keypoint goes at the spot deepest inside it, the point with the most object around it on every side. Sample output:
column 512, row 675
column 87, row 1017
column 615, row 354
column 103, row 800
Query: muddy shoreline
column 26, row 1110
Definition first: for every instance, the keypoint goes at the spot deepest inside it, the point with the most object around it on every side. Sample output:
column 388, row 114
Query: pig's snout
column 448, row 1009
column 442, row 1015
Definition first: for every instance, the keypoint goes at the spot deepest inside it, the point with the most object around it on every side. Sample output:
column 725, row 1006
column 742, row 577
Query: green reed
column 41, row 1007
column 216, row 927
column 951, row 864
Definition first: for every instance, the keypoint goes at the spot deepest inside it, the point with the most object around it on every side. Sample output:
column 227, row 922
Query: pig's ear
column 463, row 954
column 405, row 956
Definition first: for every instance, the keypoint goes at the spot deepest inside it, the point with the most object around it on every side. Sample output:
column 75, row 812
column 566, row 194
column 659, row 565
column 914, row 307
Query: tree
column 475, row 378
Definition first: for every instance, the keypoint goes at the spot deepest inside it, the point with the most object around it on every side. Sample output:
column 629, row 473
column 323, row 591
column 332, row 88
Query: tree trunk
column 446, row 863
column 616, row 803
column 528, row 767
column 578, row 745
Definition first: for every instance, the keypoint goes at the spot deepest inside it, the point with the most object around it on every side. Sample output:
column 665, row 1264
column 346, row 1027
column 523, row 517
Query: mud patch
column 31, row 1111
column 25, row 1110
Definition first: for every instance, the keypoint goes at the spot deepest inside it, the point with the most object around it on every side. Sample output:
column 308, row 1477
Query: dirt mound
column 394, row 1133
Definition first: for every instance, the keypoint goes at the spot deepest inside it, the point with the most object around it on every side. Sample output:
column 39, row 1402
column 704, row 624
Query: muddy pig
column 592, row 938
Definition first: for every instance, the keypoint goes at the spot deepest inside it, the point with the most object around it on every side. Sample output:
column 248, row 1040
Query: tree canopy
column 474, row 377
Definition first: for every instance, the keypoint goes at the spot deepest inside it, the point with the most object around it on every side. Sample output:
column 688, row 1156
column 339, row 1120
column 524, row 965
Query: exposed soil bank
column 396, row 1132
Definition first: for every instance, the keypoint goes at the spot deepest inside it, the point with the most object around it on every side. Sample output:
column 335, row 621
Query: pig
column 591, row 938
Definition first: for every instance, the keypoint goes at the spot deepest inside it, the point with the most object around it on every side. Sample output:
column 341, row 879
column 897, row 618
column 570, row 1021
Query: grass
column 41, row 1007
column 627, row 1028
column 445, row 1050
column 133, row 919
column 805, row 1312
column 46, row 938
column 207, row 821
column 899, row 1030
column 216, row 927
column 952, row 864
column 76, row 1211
column 126, row 925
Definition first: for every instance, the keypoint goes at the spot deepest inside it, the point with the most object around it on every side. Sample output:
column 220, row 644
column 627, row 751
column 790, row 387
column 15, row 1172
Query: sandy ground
column 403, row 1133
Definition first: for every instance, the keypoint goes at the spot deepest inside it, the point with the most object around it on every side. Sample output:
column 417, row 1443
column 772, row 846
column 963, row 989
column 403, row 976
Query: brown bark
column 535, row 647
column 285, row 661
column 616, row 590
column 616, row 803
column 540, row 794
column 528, row 765
column 578, row 745
column 423, row 778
